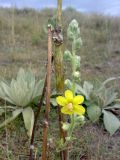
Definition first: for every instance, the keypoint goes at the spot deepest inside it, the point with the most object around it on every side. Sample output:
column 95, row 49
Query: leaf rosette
column 20, row 93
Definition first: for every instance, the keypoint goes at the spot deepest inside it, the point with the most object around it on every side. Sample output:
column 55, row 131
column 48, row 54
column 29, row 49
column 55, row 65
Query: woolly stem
column 59, row 72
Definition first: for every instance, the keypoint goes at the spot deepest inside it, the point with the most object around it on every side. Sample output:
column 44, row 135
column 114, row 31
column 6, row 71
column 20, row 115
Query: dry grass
column 100, row 59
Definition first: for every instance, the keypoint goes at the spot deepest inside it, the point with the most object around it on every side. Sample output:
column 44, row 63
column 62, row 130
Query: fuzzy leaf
column 1, row 111
column 111, row 122
column 53, row 101
column 6, row 92
column 73, row 31
column 22, row 90
column 2, row 94
column 38, row 88
column 88, row 87
column 77, row 62
column 15, row 114
column 68, row 84
column 109, row 96
column 94, row 112
column 28, row 116
column 52, row 22
column 110, row 79
column 80, row 89
column 77, row 43
column 86, row 90
column 67, row 55
column 116, row 106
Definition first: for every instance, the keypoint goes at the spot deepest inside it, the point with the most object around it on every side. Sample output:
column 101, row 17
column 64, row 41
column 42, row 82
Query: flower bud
column 65, row 126
column 76, row 74
column 68, row 138
column 67, row 55
column 68, row 83
column 81, row 118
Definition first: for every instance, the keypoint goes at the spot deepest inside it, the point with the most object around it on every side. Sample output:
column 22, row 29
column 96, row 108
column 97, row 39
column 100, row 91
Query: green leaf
column 116, row 106
column 28, row 116
column 5, row 88
column 68, row 84
column 110, row 79
column 15, row 114
column 86, row 90
column 5, row 92
column 35, row 101
column 111, row 122
column 1, row 111
column 53, row 101
column 2, row 94
column 109, row 96
column 73, row 31
column 77, row 43
column 67, row 55
column 38, row 88
column 88, row 87
column 107, row 81
column 22, row 90
column 77, row 62
column 80, row 89
column 94, row 112
column 52, row 22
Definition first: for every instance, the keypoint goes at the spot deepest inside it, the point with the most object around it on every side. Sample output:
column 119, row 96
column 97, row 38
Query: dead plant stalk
column 48, row 93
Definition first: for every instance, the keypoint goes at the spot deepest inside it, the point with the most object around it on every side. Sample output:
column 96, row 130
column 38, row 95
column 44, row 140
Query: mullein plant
column 100, row 101
column 96, row 102
column 71, row 104
column 19, row 94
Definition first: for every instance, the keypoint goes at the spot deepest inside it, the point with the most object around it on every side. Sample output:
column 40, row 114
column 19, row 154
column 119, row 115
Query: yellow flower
column 71, row 104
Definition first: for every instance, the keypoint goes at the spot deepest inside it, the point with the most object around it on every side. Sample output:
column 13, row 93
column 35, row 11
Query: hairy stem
column 73, row 66
column 59, row 72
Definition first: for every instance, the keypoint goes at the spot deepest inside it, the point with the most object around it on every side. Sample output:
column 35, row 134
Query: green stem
column 73, row 66
column 71, row 126
column 70, row 131
column 73, row 60
column 59, row 72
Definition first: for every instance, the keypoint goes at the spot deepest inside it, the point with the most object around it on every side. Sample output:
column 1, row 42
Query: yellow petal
column 65, row 110
column 78, row 100
column 69, row 95
column 78, row 109
column 61, row 100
